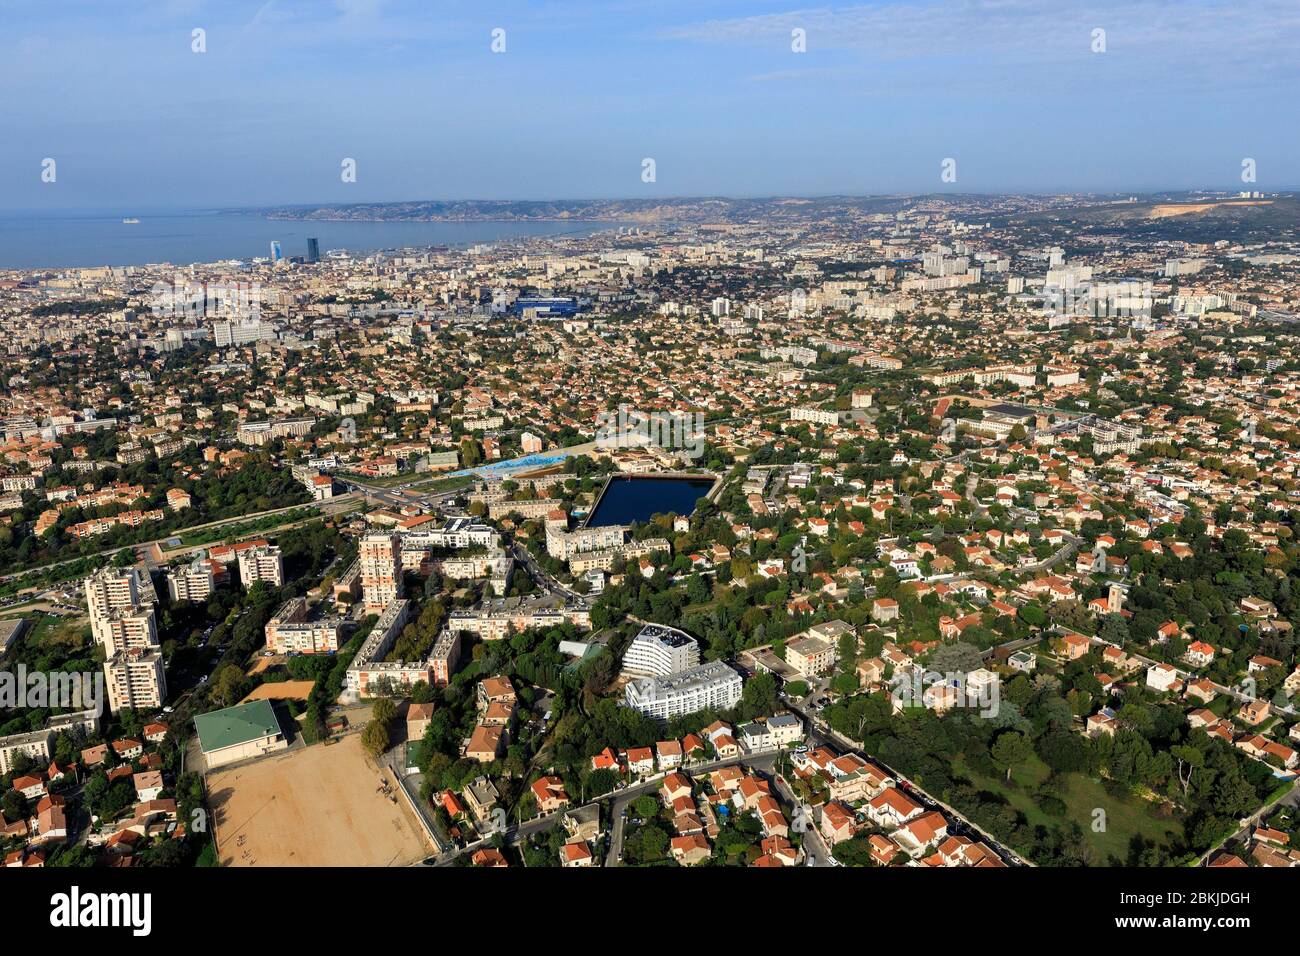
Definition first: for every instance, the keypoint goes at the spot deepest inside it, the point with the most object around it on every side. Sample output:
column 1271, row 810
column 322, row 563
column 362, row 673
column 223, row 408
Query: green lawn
column 1125, row 816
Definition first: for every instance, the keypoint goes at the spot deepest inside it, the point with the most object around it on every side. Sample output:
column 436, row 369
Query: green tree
column 1011, row 750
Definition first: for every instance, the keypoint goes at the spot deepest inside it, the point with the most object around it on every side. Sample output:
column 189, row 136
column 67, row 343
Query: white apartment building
column 818, row 416
column 713, row 685
column 659, row 650
column 193, row 582
column 115, row 589
column 129, row 629
column 135, row 679
column 810, row 656
column 261, row 564
column 290, row 632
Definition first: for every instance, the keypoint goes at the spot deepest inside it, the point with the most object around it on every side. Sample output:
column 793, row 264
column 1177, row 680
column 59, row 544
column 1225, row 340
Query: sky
column 713, row 91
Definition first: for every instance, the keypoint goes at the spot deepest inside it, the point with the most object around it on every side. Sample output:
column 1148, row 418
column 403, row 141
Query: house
column 576, row 853
column 675, row 786
column 916, row 835
column 892, row 809
column 490, row 857
column 606, row 760
column 485, row 744
column 148, row 785
column 452, row 804
column 550, row 794
column 837, row 823
column 755, row 737
column 1253, row 712
column 1102, row 722
column 1161, row 677
column 640, row 761
column 1199, row 654
column 418, row 718
column 155, row 733
column 582, row 823
column 884, row 610
column 481, row 795
column 785, row 729
column 770, row 815
column 669, row 754
column 883, row 850
column 1073, row 646
column 94, row 756
column 128, row 749
column 1260, row 663
column 692, row 747
column 1023, row 661
column 724, row 744
column 690, row 850
column 51, row 821
column 778, row 850
column 495, row 690
column 31, row 787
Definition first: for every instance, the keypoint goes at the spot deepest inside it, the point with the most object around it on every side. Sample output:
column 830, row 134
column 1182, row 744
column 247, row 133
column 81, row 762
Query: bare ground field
column 1182, row 209
column 317, row 806
column 281, row 690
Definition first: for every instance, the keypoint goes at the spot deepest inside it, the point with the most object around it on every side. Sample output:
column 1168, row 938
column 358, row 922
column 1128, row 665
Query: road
column 109, row 552
column 540, row 578
column 819, row 733
column 1291, row 799
column 620, row 798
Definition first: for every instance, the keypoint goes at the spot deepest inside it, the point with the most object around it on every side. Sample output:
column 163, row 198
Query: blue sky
column 711, row 90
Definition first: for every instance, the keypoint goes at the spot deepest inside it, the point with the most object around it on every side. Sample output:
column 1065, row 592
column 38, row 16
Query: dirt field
column 317, row 806
column 281, row 690
column 1183, row 209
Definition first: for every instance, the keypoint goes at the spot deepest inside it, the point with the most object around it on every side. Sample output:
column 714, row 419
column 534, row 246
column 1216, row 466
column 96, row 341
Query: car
column 167, row 710
column 430, row 861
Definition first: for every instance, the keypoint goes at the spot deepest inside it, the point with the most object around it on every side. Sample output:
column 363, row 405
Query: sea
column 75, row 240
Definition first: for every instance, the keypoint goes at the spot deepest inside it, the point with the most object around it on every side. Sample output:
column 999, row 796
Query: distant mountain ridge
column 1189, row 216
column 631, row 211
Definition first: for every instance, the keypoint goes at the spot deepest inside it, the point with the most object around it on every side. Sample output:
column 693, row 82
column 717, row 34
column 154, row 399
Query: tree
column 956, row 658
column 375, row 738
column 1011, row 750
column 1188, row 758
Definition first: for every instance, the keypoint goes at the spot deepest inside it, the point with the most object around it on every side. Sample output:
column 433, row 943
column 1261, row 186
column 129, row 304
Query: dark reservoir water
column 629, row 499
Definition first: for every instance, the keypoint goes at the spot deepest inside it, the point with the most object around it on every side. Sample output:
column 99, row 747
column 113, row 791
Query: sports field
column 314, row 806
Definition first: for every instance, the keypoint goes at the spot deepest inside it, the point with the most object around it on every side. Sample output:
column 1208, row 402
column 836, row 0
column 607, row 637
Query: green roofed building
column 238, row 733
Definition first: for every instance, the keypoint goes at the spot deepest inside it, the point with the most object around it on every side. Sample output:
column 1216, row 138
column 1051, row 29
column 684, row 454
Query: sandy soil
column 315, row 806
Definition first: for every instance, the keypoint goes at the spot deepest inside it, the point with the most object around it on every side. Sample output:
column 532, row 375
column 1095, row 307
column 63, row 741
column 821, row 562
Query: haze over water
column 68, row 240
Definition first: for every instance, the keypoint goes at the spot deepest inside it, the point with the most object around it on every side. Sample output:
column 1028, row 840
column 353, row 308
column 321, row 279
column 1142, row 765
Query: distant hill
column 1166, row 216
column 1195, row 219
column 630, row 211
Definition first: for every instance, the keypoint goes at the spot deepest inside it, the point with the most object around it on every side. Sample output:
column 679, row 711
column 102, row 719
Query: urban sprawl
column 944, row 532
